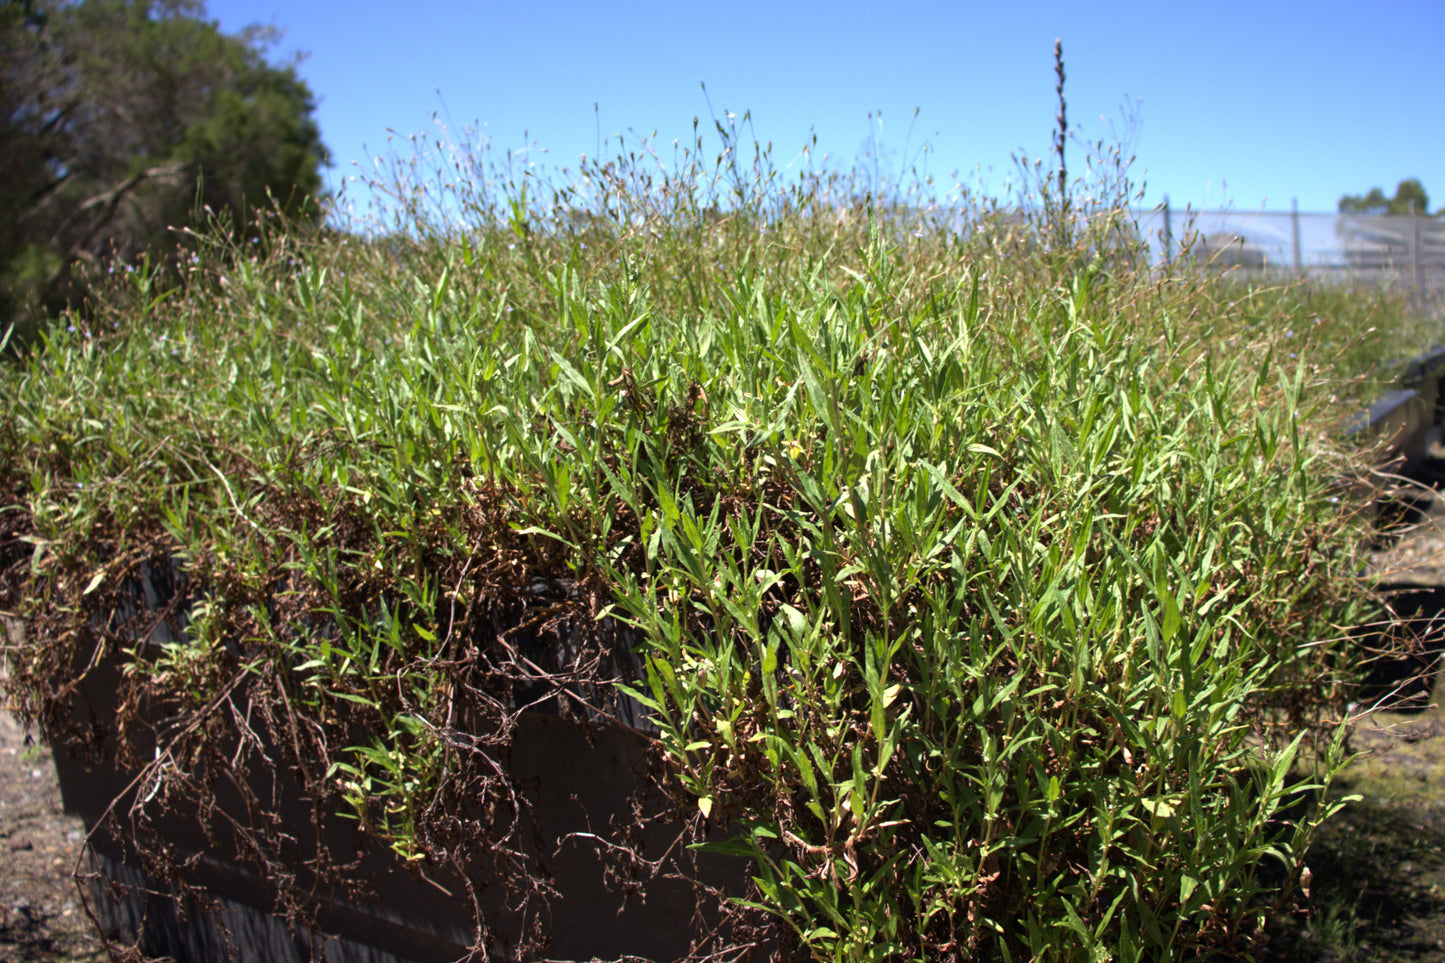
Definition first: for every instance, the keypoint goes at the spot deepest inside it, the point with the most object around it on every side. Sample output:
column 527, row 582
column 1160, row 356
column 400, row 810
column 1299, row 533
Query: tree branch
column 110, row 200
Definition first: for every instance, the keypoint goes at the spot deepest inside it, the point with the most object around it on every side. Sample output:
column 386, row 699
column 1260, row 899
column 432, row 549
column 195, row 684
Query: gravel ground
column 40, row 913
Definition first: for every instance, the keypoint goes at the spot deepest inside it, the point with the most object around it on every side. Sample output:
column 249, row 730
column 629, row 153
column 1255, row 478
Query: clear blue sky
column 1240, row 103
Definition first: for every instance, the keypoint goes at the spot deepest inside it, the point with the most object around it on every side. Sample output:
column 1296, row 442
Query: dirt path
column 1379, row 866
column 40, row 913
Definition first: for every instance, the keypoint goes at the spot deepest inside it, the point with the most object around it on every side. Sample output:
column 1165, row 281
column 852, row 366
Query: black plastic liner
column 579, row 780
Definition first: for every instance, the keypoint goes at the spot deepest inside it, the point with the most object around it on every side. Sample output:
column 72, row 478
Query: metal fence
column 1381, row 249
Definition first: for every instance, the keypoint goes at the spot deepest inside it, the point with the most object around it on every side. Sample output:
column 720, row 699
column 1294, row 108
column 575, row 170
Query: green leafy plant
column 983, row 589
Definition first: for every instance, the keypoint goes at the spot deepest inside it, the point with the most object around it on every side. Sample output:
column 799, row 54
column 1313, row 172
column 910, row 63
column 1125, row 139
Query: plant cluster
column 982, row 588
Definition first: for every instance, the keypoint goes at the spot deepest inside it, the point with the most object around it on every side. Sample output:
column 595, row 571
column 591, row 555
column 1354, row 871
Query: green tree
column 1410, row 198
column 122, row 119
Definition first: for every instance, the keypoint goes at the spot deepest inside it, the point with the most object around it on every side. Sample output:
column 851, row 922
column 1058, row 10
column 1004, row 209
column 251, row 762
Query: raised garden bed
column 614, row 887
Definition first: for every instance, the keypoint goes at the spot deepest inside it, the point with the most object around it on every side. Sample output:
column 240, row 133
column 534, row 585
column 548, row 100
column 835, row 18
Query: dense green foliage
column 121, row 120
column 985, row 590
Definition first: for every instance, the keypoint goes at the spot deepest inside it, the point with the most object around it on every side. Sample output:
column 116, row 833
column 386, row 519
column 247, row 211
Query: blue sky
column 1242, row 104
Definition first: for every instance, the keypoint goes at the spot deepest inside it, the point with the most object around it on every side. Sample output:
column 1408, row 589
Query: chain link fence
column 1353, row 248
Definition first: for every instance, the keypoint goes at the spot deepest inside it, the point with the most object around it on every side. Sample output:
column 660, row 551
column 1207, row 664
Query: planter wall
column 574, row 778
column 1413, row 623
column 1410, row 416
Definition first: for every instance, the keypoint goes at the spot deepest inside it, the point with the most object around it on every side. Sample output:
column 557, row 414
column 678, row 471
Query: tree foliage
column 1410, row 198
column 123, row 119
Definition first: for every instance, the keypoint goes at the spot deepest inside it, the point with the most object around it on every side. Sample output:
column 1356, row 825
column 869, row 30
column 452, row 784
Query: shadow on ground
column 1378, row 889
